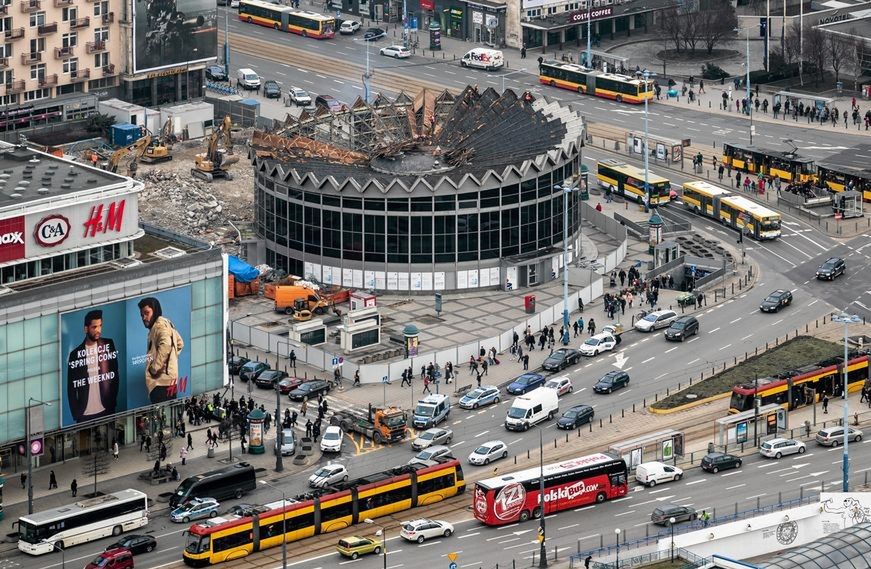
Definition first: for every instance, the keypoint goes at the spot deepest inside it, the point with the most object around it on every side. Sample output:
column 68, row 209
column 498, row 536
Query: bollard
column 633, row 407
column 591, row 429
column 745, row 356
column 766, row 345
column 567, row 437
column 678, row 386
column 736, row 361
column 733, row 288
column 644, row 402
column 702, row 376
column 554, row 552
column 554, row 442
column 527, row 454
column 515, row 460
column 600, row 423
column 691, row 381
column 610, row 418
column 666, row 391
column 655, row 397
column 777, row 341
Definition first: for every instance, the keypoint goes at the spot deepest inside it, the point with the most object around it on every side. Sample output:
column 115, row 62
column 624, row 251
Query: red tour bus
column 576, row 482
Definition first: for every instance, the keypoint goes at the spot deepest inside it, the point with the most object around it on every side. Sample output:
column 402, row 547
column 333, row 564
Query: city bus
column 787, row 166
column 572, row 483
column 321, row 511
column 837, row 178
column 621, row 88
column 83, row 521
column 628, row 181
column 287, row 19
column 800, row 387
column 736, row 211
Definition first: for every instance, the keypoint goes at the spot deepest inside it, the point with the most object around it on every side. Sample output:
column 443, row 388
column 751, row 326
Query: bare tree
column 815, row 49
column 716, row 24
column 670, row 25
column 689, row 24
column 838, row 49
column 792, row 43
column 853, row 62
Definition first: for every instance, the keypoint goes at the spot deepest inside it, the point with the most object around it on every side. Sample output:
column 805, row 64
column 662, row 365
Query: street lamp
column 566, row 190
column 646, row 75
column 671, row 526
column 542, row 555
column 522, row 70
column 846, row 320
column 29, row 451
column 279, row 435
column 367, row 75
column 283, row 521
column 747, row 80
column 617, row 533
column 383, row 533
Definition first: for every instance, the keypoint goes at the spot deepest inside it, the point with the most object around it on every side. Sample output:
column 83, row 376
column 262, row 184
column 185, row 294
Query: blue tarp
column 242, row 271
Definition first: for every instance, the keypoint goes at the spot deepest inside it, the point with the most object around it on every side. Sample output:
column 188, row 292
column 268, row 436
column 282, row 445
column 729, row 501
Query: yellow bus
column 737, row 212
column 287, row 19
column 700, row 197
column 628, row 181
column 787, row 166
column 621, row 88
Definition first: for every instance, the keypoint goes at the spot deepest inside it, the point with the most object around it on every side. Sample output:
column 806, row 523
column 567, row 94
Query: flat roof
column 856, row 27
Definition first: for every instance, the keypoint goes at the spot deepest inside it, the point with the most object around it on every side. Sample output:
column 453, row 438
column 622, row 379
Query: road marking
column 648, row 360
column 694, row 361
column 778, row 322
column 695, row 482
column 626, row 513
column 564, row 527
column 508, row 526
column 471, row 564
column 730, row 474
column 745, row 337
column 481, row 434
column 726, row 346
column 714, row 330
column 582, row 509
column 736, row 486
column 513, row 546
column 756, row 496
column 669, row 350
column 623, row 499
column 457, row 422
column 468, row 535
column 658, row 491
column 660, row 376
column 455, row 445
column 735, row 320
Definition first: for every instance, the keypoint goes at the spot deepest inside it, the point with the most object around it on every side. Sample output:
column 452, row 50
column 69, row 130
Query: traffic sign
column 540, row 535
column 452, row 556
column 385, row 379
column 452, row 565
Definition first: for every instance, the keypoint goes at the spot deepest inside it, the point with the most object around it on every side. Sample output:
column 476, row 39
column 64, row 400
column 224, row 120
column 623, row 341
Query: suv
column 329, row 103
column 717, row 461
column 611, row 381
column 271, row 89
column 833, row 267
column 833, row 436
column 776, row 300
column 776, row 448
column 682, row 328
column 656, row 320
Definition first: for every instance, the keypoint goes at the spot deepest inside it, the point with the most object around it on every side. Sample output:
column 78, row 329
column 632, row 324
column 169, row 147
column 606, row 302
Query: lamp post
column 542, row 556
column 566, row 190
column 279, row 434
column 29, row 451
column 671, row 526
column 747, row 64
column 367, row 75
column 283, row 521
column 617, row 533
column 589, row 62
column 521, row 70
column 646, row 75
column 383, row 533
column 846, row 320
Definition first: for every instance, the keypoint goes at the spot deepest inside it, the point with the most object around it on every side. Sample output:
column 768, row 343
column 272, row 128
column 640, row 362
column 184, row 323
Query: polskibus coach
column 323, row 511
column 569, row 484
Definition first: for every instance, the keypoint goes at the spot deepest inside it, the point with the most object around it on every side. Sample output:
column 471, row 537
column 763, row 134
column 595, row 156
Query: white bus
column 82, row 521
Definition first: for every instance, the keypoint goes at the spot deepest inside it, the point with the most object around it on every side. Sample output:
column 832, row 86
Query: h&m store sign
column 74, row 227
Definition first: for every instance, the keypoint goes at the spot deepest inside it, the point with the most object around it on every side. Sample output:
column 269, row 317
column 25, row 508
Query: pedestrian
column 52, row 480
column 303, row 409
column 523, row 51
column 405, row 379
column 825, row 403
column 587, row 561
column 292, row 358
column 706, row 517
column 141, row 441
column 242, row 442
column 74, row 487
column 525, row 362
column 308, row 428
column 484, row 367
column 147, row 443
column 183, row 455
column 357, row 378
column 426, row 385
column 162, row 451
column 737, row 179
column 190, row 442
column 701, row 86
column 115, row 450
column 23, row 480
column 591, row 327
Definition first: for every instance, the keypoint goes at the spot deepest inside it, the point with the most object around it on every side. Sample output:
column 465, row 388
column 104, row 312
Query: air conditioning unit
column 126, row 263
column 169, row 253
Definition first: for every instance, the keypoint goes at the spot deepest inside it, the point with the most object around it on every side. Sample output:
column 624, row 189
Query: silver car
column 431, row 437
column 775, row 448
column 656, row 320
column 428, row 455
column 288, row 442
column 329, row 474
column 834, row 436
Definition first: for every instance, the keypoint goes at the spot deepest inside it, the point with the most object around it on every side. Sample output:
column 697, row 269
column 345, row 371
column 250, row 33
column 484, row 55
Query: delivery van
column 531, row 409
column 247, row 79
column 652, row 473
column 286, row 296
column 483, row 58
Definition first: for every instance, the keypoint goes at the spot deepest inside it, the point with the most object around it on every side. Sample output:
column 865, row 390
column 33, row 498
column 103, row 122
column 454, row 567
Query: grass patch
column 792, row 354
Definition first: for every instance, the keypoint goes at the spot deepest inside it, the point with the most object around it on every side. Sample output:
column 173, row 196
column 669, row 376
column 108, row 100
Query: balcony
column 63, row 3
column 80, row 75
column 63, row 52
column 108, row 18
column 14, row 34
column 95, row 46
column 4, row 9
column 80, row 23
column 16, row 86
column 28, row 6
column 4, row 62
column 108, row 70
column 46, row 29
column 48, row 80
column 31, row 58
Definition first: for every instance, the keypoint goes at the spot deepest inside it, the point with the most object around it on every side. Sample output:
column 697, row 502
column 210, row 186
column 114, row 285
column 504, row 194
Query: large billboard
column 169, row 33
column 124, row 355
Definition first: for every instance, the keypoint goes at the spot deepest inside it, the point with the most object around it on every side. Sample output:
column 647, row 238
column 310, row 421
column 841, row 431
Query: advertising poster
column 124, row 355
column 168, row 33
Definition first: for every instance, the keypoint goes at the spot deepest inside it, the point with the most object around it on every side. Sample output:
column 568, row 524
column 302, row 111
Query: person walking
column 825, row 403
column 292, row 358
column 303, row 409
column 23, row 480
column 74, row 487
column 525, row 362
column 706, row 517
column 147, row 443
column 523, row 51
column 242, row 442
column 183, row 455
column 115, row 450
column 357, row 378
column 190, row 442
column 426, row 385
column 308, row 428
column 591, row 327
column 52, row 480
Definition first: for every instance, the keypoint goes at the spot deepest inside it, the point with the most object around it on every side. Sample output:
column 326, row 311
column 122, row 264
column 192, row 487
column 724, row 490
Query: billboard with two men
column 169, row 33
column 124, row 355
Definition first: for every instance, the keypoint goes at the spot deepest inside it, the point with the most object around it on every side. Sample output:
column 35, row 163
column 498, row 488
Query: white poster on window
column 337, row 274
column 403, row 281
column 347, row 277
column 392, row 281
column 380, row 280
column 369, row 279
column 510, row 278
column 416, row 281
column 485, row 278
column 328, row 275
column 312, row 270
column 494, row 276
column 462, row 279
column 473, row 278
column 427, row 281
column 358, row 279
column 439, row 281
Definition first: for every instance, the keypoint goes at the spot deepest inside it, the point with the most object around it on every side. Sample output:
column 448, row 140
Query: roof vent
column 19, row 189
column 66, row 186
column 125, row 263
column 34, row 160
column 169, row 253
column 43, row 191
column 14, row 195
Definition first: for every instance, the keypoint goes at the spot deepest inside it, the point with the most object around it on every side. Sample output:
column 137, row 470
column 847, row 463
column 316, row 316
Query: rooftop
column 855, row 160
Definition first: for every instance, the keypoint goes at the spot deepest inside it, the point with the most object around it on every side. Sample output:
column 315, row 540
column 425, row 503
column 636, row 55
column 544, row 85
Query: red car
column 288, row 384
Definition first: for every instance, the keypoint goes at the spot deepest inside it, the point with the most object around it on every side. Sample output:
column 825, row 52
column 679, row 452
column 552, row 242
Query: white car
column 299, row 97
column 349, row 27
column 397, row 51
column 775, row 448
column 329, row 474
column 562, row 384
column 423, row 529
column 597, row 344
column 488, row 452
column 331, row 441
column 656, row 320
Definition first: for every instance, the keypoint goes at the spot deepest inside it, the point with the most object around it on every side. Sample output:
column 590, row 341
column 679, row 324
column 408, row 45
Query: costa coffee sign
column 12, row 245
column 594, row 14
column 52, row 230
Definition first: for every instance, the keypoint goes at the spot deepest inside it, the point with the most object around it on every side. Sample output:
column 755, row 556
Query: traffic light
column 763, row 27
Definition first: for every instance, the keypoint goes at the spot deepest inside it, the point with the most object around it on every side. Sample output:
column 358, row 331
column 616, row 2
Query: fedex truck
column 483, row 58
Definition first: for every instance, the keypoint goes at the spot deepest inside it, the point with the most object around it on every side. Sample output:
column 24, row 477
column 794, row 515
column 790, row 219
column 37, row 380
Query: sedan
column 663, row 514
column 561, row 358
column 395, row 51
column 251, row 370
column 216, row 73
column 428, row 455
column 288, row 384
column 332, row 439
column 488, row 452
column 327, row 475
column 562, row 384
column 717, row 461
column 310, row 389
column 269, row 378
column 195, row 509
column 136, row 543
column 525, row 383
column 431, row 437
column 299, row 97
column 595, row 345
column 349, row 27
column 484, row 395
column 575, row 416
column 611, row 381
column 373, row 34
column 776, row 448
column 423, row 529
column 656, row 320
column 234, row 364
column 272, row 90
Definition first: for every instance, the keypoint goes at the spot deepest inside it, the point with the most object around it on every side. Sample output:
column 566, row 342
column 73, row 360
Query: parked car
column 428, row 455
column 271, row 89
column 834, row 436
column 562, row 384
column 395, row 51
column 431, row 437
column 299, row 97
column 216, row 73
column 663, row 514
column 602, row 342
column 288, row 384
column 136, row 543
column 832, row 268
column 682, row 328
column 288, row 442
column 246, row 510
column 349, row 27
column 561, row 359
column 488, row 452
column 331, row 440
column 235, row 363
column 525, row 383
column 354, row 546
column 270, row 378
column 776, row 448
column 575, row 416
column 329, row 103
column 251, row 370
column 310, row 389
column 195, row 509
column 373, row 34
column 423, row 529
column 776, row 300
column 717, row 461
column 327, row 475
column 480, row 396
column 611, row 381
column 656, row 320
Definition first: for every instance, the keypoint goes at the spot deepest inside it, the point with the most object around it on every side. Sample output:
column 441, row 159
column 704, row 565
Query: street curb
column 686, row 406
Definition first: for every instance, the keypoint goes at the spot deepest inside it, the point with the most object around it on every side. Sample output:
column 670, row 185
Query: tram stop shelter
column 664, row 445
column 737, row 429
column 795, row 98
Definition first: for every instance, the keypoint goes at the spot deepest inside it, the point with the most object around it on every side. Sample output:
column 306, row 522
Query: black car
column 310, row 390
column 136, row 543
column 235, row 363
column 269, row 378
column 272, row 90
column 717, row 461
column 561, row 358
column 611, row 381
column 833, row 267
column 682, row 328
column 575, row 416
column 246, row 510
column 216, row 73
column 776, row 300
column 373, row 34
column 663, row 514
column 251, row 370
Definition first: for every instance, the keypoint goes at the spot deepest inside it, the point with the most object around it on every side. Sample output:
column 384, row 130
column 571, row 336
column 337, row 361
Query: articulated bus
column 787, row 166
column 321, row 511
column 573, row 483
column 287, row 19
column 621, row 88
column 736, row 211
column 837, row 178
column 793, row 389
column 628, row 181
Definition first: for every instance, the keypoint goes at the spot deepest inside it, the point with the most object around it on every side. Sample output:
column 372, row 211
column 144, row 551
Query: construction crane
column 213, row 163
column 135, row 151
column 159, row 149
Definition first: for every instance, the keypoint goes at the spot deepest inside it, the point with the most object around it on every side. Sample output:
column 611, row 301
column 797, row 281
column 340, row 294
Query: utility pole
column 279, row 434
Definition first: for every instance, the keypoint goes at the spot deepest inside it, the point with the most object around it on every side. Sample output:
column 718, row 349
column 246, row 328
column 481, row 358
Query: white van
column 532, row 408
column 652, row 473
column 247, row 79
column 483, row 58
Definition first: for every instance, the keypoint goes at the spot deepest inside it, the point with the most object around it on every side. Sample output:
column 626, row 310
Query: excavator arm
column 137, row 149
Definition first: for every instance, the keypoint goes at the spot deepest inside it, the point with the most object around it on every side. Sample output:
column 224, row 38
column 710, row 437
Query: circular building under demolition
column 439, row 192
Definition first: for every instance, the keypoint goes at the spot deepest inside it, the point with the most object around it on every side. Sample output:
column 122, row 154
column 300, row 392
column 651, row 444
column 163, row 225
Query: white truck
column 532, row 408
column 483, row 58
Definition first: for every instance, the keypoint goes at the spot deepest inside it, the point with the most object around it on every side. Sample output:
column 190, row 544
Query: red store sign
column 103, row 219
column 11, row 239
column 594, row 14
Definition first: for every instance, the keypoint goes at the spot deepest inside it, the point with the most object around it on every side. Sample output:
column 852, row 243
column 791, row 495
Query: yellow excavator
column 135, row 151
column 160, row 148
column 213, row 163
